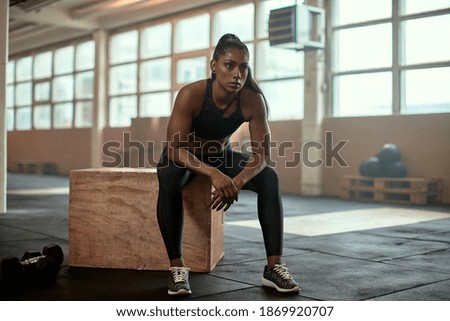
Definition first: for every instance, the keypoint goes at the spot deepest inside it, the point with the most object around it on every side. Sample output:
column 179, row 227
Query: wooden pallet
column 411, row 190
column 36, row 167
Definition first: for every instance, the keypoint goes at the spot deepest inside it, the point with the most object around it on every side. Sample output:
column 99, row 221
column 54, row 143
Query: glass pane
column 43, row 65
column 64, row 60
column 363, row 95
column 427, row 91
column 42, row 117
column 23, row 121
column 425, row 40
column 10, row 119
column 155, row 74
column 62, row 88
column 10, row 72
column 352, row 11
column 85, row 58
column 84, row 85
column 23, row 94
column 63, row 115
column 191, row 69
column 10, row 96
column 364, row 48
column 155, row 105
column 123, row 47
column 156, row 41
column 242, row 22
column 274, row 62
column 42, row 91
column 83, row 114
column 23, row 69
column 122, row 110
column 192, row 33
column 123, row 79
column 285, row 98
column 415, row 6
column 266, row 7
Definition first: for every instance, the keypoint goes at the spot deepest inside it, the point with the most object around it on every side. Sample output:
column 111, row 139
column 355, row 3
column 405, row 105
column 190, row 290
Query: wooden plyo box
column 113, row 223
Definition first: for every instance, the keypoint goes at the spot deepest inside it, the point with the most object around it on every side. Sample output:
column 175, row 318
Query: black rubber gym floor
column 404, row 260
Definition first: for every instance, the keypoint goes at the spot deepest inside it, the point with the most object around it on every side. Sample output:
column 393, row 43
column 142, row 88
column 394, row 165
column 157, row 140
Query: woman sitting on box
column 206, row 113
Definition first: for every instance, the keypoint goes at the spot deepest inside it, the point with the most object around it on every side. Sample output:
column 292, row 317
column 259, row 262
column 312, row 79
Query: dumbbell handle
column 32, row 260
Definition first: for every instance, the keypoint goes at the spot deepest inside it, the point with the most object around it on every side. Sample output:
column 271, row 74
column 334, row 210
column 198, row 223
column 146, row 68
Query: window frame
column 207, row 52
column 35, row 81
column 398, row 69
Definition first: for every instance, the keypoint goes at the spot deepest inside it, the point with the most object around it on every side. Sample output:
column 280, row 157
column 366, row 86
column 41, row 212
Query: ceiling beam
column 55, row 17
column 104, row 8
column 42, row 37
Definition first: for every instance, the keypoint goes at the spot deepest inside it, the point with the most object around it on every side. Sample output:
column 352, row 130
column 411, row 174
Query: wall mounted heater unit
column 298, row 27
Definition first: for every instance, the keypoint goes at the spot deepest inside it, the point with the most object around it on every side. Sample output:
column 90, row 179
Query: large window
column 51, row 89
column 192, row 33
column 366, row 94
column 390, row 60
column 242, row 18
column 363, row 48
column 425, row 62
column 149, row 64
column 140, row 74
column 348, row 12
column 279, row 71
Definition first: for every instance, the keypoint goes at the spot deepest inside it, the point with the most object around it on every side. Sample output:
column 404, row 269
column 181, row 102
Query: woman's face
column 231, row 69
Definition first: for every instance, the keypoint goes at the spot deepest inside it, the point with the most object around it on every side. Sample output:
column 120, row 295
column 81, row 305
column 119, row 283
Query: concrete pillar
column 100, row 99
column 314, row 111
column 312, row 131
column 4, row 20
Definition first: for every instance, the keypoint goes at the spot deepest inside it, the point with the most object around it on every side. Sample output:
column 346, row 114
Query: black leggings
column 172, row 177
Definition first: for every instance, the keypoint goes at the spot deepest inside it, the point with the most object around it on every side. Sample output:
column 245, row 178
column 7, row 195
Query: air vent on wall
column 297, row 27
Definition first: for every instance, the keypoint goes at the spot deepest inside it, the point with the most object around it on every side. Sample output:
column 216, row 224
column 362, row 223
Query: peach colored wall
column 148, row 129
column 113, row 135
column 68, row 148
column 287, row 142
column 146, row 132
column 424, row 141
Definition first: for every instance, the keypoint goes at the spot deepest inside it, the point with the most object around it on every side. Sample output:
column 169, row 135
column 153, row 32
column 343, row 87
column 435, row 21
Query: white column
column 4, row 20
column 314, row 111
column 100, row 99
column 312, row 131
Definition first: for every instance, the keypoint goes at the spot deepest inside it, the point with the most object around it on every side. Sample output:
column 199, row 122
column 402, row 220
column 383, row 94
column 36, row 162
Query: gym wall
column 423, row 140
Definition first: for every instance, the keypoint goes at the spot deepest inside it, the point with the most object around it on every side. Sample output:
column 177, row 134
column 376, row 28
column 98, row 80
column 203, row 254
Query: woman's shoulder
column 190, row 97
column 249, row 97
column 252, row 104
column 195, row 88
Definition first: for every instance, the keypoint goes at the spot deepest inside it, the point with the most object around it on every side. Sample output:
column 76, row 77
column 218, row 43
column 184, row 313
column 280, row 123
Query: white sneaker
column 179, row 281
column 279, row 278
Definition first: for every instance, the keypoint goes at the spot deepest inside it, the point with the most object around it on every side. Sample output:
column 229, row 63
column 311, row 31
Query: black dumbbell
column 40, row 269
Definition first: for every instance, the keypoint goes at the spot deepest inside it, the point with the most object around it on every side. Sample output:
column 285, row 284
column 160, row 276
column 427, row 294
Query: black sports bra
column 210, row 123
